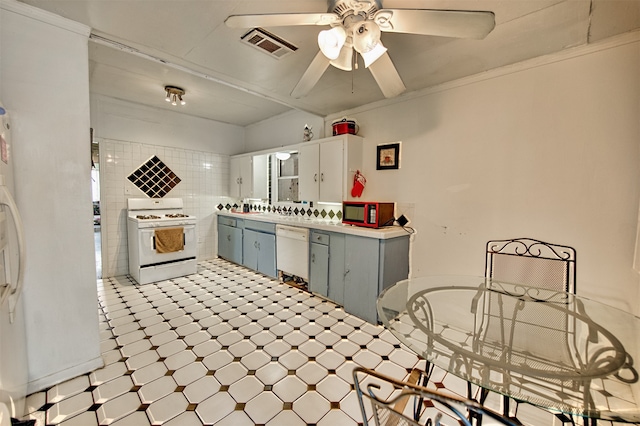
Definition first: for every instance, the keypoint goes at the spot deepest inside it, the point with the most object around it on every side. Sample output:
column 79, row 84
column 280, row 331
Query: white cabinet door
column 234, row 177
column 309, row 172
column 261, row 176
column 331, row 171
column 321, row 171
column 240, row 179
column 246, row 177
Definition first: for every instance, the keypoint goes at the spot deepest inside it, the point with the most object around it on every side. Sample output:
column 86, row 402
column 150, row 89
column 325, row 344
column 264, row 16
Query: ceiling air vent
column 268, row 43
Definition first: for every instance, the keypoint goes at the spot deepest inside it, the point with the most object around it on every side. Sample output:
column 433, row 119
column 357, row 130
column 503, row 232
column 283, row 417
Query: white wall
column 548, row 149
column 196, row 149
column 44, row 66
column 284, row 129
column 119, row 120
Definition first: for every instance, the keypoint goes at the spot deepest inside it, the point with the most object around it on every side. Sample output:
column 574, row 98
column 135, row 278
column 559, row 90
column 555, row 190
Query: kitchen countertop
column 320, row 224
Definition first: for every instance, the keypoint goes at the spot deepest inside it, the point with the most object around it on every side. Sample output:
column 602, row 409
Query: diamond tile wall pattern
column 154, row 178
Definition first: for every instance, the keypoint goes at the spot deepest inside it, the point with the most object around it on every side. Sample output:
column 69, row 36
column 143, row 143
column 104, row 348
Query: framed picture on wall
column 388, row 156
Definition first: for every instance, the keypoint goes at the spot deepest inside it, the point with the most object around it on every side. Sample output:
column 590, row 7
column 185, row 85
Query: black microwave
column 371, row 214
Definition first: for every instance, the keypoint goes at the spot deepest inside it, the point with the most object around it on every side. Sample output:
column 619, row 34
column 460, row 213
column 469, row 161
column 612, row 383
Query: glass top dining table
column 555, row 350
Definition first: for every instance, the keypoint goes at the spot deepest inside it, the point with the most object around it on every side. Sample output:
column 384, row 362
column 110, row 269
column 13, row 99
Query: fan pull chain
column 352, row 72
column 354, row 67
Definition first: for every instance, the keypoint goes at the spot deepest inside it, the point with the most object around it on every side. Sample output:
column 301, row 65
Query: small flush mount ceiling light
column 283, row 156
column 174, row 95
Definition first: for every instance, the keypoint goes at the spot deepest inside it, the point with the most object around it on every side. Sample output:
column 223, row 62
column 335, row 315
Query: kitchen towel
column 169, row 240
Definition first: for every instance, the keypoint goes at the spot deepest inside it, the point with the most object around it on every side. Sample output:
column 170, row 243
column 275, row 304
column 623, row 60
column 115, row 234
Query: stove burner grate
column 147, row 216
column 174, row 215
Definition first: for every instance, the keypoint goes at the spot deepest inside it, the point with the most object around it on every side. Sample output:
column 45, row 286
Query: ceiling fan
column 356, row 25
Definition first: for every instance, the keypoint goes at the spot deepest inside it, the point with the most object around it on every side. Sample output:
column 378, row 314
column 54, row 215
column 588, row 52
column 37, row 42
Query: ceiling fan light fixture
column 366, row 36
column 373, row 55
column 331, row 41
column 345, row 59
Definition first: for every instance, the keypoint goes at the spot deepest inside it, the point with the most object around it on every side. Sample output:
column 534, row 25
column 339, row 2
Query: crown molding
column 37, row 14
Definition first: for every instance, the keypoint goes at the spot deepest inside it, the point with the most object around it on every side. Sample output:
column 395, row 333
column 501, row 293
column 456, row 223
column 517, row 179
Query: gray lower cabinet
column 319, row 263
column 259, row 247
column 352, row 270
column 371, row 265
column 230, row 239
column 347, row 269
column 336, row 268
column 326, row 265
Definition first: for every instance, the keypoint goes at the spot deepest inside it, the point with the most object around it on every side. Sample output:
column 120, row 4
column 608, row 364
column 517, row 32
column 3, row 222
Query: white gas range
column 163, row 242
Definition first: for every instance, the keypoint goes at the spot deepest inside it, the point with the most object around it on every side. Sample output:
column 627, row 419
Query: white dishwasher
column 292, row 250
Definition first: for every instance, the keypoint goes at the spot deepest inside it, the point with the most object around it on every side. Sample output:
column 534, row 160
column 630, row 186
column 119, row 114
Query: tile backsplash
column 333, row 213
column 204, row 184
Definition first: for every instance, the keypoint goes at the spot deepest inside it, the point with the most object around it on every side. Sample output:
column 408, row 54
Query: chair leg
column 421, row 379
column 484, row 393
column 506, row 410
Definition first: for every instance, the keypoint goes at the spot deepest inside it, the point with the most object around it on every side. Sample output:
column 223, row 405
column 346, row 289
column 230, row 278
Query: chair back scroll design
column 532, row 262
column 389, row 405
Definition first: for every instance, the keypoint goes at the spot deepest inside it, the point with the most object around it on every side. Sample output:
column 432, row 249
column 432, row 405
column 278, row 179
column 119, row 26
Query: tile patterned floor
column 226, row 346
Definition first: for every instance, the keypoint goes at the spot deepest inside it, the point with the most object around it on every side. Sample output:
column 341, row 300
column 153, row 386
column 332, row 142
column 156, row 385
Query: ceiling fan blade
column 311, row 76
column 443, row 23
column 387, row 76
column 281, row 20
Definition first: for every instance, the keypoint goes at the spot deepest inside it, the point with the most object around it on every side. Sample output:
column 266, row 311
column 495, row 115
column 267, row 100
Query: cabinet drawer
column 229, row 221
column 317, row 237
column 269, row 228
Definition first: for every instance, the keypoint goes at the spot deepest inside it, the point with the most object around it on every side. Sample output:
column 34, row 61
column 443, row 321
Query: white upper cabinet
column 241, row 177
column 309, row 172
column 260, row 170
column 327, row 167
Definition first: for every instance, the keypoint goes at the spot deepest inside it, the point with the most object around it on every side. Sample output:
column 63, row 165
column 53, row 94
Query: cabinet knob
column 321, row 177
column 313, row 258
column 315, row 177
column 228, row 237
column 346, row 272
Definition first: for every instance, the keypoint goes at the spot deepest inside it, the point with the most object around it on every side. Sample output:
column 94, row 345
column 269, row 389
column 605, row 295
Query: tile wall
column 204, row 184
column 328, row 213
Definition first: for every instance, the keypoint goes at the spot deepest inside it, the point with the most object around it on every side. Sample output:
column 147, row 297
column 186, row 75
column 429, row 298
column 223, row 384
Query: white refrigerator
column 13, row 353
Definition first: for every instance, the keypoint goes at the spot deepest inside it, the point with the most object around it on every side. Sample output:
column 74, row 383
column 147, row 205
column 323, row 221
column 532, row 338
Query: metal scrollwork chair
column 397, row 403
column 534, row 263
